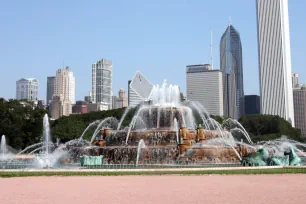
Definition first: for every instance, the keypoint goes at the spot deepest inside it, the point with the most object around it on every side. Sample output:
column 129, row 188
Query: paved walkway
column 155, row 189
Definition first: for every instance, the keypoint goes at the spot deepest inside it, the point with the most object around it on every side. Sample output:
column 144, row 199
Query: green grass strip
column 8, row 174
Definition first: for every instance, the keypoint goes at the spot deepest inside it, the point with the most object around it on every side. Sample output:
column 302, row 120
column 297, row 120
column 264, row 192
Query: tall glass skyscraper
column 274, row 58
column 232, row 72
column 50, row 89
column 102, row 82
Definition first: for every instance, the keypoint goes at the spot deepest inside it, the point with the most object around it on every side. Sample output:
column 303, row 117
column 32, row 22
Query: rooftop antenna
column 211, row 51
column 230, row 20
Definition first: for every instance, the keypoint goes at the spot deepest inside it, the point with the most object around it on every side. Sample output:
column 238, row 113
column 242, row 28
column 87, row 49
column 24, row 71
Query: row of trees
column 259, row 127
column 269, row 127
column 70, row 127
column 22, row 124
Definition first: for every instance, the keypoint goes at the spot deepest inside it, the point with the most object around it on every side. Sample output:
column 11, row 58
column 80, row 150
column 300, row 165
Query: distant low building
column 252, row 104
column 299, row 100
column 295, row 80
column 41, row 104
column 56, row 106
column 121, row 100
column 88, row 98
column 80, row 107
column 91, row 107
column 114, row 100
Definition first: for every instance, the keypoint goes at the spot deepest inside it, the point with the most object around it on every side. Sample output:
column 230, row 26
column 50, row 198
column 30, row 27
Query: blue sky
column 158, row 38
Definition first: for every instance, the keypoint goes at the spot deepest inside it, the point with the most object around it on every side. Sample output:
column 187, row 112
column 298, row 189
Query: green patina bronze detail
column 91, row 160
column 261, row 158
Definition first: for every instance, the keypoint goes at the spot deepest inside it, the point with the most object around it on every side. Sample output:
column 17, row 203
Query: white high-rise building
column 64, row 84
column 275, row 59
column 205, row 86
column 27, row 88
column 299, row 99
column 64, row 93
column 102, row 82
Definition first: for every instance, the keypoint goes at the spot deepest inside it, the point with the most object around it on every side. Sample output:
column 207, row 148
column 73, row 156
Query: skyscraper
column 232, row 70
column 139, row 90
column 102, row 82
column 274, row 59
column 252, row 104
column 204, row 85
column 64, row 84
column 64, row 93
column 50, row 89
column 27, row 88
column 299, row 99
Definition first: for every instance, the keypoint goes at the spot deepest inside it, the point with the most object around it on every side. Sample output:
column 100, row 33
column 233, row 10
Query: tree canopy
column 23, row 125
column 268, row 127
column 20, row 123
column 70, row 127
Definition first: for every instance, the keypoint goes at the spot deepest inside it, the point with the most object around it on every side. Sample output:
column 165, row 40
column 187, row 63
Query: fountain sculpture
column 164, row 130
column 167, row 128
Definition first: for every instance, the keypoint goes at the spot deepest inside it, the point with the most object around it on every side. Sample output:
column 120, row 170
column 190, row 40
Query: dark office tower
column 252, row 104
column 50, row 89
column 232, row 72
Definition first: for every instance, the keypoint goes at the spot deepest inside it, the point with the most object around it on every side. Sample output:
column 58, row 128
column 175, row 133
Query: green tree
column 20, row 123
column 269, row 127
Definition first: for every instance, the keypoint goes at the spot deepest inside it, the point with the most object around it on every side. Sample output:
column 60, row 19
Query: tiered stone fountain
column 169, row 132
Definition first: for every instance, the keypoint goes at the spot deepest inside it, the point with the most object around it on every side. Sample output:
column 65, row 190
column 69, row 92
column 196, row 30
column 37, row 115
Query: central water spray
column 3, row 148
column 46, row 135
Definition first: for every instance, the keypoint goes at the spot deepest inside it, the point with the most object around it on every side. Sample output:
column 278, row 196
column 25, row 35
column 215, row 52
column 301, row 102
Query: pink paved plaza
column 155, row 189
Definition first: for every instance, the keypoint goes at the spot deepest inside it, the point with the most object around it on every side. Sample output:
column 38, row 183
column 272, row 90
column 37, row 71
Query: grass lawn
column 6, row 174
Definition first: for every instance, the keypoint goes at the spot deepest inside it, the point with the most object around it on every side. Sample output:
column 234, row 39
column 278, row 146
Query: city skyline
column 184, row 47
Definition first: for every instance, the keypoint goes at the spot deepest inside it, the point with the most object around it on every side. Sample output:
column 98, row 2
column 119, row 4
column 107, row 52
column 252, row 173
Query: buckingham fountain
column 164, row 130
